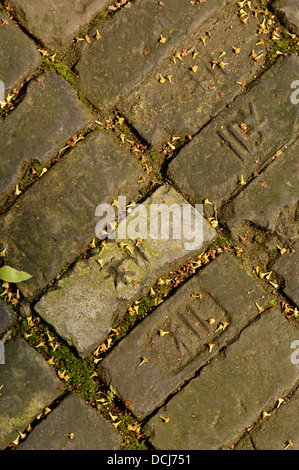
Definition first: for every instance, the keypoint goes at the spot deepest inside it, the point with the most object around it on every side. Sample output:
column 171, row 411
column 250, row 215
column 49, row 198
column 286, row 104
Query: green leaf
column 9, row 274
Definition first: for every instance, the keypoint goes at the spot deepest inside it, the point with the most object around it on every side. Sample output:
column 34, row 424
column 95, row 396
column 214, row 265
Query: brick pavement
column 151, row 343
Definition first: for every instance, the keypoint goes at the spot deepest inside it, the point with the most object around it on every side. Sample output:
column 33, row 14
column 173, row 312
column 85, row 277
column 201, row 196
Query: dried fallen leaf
column 279, row 402
column 143, row 361
column 164, row 419
column 289, row 444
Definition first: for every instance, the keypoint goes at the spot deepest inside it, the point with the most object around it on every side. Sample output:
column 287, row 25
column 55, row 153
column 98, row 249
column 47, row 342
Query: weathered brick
column 288, row 13
column 109, row 68
column 47, row 117
column 93, row 298
column 287, row 266
column 55, row 220
column 184, row 347
column 277, row 432
column 72, row 416
column 55, row 24
column 271, row 200
column 231, row 392
column 7, row 317
column 18, row 56
column 212, row 164
column 186, row 101
column 29, row 385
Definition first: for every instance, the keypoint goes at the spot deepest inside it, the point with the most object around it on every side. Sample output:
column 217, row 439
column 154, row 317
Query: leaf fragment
column 9, row 274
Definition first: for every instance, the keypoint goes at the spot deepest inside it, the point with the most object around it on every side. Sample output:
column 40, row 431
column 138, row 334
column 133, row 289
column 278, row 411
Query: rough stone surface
column 92, row 298
column 108, row 69
column 271, row 201
column 29, row 385
column 287, row 266
column 7, row 317
column 180, row 107
column 90, row 431
column 174, row 357
column 49, row 115
column 232, row 391
column 279, row 429
column 55, row 220
column 288, row 13
column 53, row 24
column 18, row 56
column 211, row 165
column 244, row 443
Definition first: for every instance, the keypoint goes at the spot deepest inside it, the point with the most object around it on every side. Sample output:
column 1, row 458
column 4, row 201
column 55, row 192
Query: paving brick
column 88, row 430
column 272, row 199
column 244, row 444
column 92, row 299
column 109, row 69
column 287, row 266
column 211, row 165
column 279, row 429
column 229, row 395
column 182, row 105
column 18, row 56
column 7, row 317
column 54, row 220
column 29, row 385
column 54, row 23
column 176, row 355
column 33, row 131
column 288, row 13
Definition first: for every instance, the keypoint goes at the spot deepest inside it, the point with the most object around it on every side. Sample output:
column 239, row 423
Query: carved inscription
column 185, row 333
column 245, row 137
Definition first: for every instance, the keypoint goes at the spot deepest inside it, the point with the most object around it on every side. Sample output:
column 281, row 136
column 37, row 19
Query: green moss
column 285, row 45
column 76, row 370
column 272, row 303
column 258, row 240
column 61, row 69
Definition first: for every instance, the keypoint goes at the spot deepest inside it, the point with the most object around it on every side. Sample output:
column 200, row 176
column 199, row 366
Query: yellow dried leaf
column 279, row 402
column 17, row 191
column 164, row 419
column 143, row 361
column 163, row 333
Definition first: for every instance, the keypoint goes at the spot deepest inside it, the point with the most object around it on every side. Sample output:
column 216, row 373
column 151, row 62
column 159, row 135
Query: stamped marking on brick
column 95, row 296
column 182, row 334
column 242, row 138
column 272, row 199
